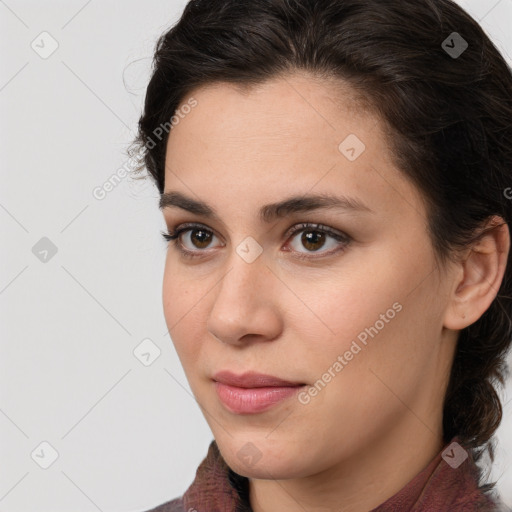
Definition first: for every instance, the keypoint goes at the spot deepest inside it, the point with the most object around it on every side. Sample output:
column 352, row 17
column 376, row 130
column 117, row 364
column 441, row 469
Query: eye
column 314, row 237
column 200, row 238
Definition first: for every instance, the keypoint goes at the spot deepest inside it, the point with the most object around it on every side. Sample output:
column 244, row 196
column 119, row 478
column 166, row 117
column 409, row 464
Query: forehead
column 294, row 106
column 291, row 134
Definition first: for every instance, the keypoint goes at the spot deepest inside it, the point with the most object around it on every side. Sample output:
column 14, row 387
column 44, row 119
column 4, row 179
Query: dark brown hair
column 449, row 119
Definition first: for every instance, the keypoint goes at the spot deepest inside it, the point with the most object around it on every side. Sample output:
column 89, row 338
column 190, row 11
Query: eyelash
column 173, row 238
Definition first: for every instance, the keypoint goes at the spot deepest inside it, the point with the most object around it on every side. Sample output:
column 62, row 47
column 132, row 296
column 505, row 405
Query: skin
column 378, row 422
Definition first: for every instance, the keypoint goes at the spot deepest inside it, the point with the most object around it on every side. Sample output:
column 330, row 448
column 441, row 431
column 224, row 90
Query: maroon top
column 446, row 484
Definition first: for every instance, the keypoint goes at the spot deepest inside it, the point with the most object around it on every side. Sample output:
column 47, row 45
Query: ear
column 479, row 275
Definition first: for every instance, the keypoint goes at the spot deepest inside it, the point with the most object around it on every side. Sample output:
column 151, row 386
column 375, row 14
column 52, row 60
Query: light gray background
column 128, row 436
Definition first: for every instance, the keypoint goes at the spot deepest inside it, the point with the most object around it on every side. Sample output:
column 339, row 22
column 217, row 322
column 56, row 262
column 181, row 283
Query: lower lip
column 252, row 400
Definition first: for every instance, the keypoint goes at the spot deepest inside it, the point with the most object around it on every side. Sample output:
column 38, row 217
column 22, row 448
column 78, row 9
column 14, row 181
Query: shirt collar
column 449, row 482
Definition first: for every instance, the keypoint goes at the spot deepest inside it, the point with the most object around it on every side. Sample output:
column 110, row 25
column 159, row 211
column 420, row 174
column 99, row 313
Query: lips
column 252, row 393
column 252, row 380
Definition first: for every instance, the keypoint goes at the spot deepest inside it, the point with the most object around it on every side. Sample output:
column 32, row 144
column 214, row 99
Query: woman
column 335, row 176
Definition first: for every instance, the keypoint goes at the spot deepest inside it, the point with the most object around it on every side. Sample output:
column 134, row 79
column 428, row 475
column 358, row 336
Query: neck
column 360, row 483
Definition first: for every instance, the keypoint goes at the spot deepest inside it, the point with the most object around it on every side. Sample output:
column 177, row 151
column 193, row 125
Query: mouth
column 251, row 392
column 252, row 380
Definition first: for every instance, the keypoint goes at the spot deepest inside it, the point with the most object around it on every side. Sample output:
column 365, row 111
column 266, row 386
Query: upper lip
column 252, row 380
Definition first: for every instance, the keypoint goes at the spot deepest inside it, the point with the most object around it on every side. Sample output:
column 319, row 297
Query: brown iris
column 202, row 236
column 310, row 238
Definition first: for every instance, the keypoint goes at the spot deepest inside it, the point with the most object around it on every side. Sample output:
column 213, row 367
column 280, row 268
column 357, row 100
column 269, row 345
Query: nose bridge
column 244, row 302
column 244, row 278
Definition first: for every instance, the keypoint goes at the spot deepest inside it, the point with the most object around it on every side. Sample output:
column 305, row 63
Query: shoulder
column 483, row 502
column 175, row 505
column 475, row 495
column 478, row 504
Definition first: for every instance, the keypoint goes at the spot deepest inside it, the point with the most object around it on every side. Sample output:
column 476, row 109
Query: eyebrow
column 268, row 212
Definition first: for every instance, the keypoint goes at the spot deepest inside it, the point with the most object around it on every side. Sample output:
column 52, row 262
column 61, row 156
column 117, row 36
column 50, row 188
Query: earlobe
column 479, row 277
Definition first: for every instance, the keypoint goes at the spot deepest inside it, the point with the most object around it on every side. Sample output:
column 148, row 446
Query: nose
column 246, row 306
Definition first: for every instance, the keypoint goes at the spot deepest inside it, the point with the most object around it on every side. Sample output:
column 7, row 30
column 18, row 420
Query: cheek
column 371, row 320
column 182, row 291
column 182, row 308
column 386, row 338
column 335, row 313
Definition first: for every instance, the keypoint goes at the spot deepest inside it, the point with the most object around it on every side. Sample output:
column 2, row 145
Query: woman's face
column 357, row 319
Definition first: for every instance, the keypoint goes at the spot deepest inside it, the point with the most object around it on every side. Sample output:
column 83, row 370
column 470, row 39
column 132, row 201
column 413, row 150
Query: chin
column 259, row 457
